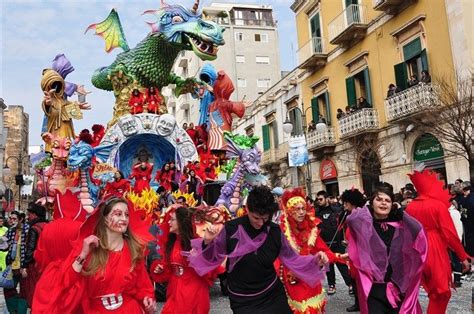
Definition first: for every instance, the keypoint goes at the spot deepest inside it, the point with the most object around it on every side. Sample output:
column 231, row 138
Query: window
column 262, row 60
column 241, row 82
column 239, row 17
column 416, row 61
column 240, row 59
column 358, row 86
column 239, row 36
column 296, row 120
column 261, row 37
column 320, row 108
column 264, row 83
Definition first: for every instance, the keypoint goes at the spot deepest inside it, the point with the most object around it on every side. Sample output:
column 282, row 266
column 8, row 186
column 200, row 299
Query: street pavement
column 460, row 303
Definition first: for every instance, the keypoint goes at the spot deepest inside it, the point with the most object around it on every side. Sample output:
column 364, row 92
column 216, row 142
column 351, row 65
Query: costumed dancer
column 141, row 172
column 252, row 243
column 208, row 75
column 187, row 292
column 221, row 110
column 153, row 100
column 118, row 187
column 105, row 272
column 165, row 176
column 300, row 227
column 382, row 238
column 430, row 208
column 136, row 102
column 54, row 246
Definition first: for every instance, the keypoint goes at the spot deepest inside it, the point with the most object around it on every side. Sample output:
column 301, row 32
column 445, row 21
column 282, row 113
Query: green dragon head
column 187, row 28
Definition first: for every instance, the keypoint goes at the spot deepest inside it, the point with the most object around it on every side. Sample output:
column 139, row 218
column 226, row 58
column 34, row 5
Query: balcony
column 349, row 26
column 318, row 140
column 282, row 152
column 252, row 22
column 312, row 55
column 409, row 102
column 390, row 6
column 269, row 157
column 361, row 121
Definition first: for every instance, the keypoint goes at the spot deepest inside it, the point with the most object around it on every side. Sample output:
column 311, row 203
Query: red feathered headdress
column 291, row 197
column 428, row 185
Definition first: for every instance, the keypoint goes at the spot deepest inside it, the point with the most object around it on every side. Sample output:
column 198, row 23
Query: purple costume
column 396, row 267
column 253, row 284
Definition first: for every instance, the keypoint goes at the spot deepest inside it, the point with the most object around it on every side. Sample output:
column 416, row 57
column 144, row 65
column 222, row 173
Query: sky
column 33, row 32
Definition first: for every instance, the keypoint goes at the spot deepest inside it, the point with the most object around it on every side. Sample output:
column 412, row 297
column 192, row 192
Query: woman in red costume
column 105, row 272
column 153, row 100
column 136, row 102
column 430, row 208
column 300, row 227
column 118, row 187
column 187, row 292
column 141, row 172
column 165, row 176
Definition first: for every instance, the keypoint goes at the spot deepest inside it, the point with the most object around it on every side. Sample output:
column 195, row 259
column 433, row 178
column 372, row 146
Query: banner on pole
column 298, row 151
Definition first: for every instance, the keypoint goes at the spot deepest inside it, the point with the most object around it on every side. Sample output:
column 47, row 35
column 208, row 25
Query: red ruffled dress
column 304, row 238
column 153, row 102
column 136, row 103
column 117, row 188
column 187, row 292
column 142, row 177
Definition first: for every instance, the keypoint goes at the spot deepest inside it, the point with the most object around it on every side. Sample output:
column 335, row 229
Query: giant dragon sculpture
column 243, row 149
column 149, row 64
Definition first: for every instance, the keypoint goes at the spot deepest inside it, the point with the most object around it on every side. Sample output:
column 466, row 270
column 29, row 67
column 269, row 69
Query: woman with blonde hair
column 107, row 274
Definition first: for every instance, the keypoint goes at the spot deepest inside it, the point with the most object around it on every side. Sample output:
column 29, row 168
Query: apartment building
column 250, row 55
column 350, row 49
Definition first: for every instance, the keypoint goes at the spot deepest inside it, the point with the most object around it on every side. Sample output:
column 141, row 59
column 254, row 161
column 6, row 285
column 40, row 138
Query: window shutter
column 424, row 60
column 412, row 49
column 367, row 87
column 266, row 137
column 401, row 75
column 351, row 93
column 315, row 109
column 328, row 108
column 315, row 26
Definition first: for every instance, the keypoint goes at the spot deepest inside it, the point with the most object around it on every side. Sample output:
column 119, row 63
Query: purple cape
column 407, row 255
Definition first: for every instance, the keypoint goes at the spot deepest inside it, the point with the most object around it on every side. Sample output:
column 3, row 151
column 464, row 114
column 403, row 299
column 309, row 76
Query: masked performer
column 252, row 243
column 382, row 239
column 136, row 102
column 300, row 227
column 187, row 292
column 118, row 187
column 430, row 208
column 141, row 172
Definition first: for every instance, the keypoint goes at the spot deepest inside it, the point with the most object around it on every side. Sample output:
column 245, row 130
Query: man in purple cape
column 251, row 244
column 388, row 249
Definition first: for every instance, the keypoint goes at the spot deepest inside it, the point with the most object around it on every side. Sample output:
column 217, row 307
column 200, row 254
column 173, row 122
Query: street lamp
column 19, row 176
column 321, row 127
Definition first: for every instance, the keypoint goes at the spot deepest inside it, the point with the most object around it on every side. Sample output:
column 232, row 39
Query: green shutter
column 315, row 109
column 266, row 137
column 328, row 108
column 401, row 75
column 368, row 90
column 424, row 60
column 351, row 92
column 412, row 49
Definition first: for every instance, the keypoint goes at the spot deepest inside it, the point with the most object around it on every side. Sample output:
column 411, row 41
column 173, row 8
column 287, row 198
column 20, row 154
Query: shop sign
column 427, row 147
column 327, row 170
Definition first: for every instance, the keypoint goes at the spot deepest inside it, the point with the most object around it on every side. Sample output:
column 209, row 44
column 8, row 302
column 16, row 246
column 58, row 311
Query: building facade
column 250, row 56
column 350, row 51
column 3, row 140
column 16, row 158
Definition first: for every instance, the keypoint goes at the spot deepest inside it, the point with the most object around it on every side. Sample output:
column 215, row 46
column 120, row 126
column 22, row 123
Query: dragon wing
column 111, row 31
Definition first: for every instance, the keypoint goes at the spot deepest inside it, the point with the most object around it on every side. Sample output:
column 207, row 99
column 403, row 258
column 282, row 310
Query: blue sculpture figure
column 208, row 75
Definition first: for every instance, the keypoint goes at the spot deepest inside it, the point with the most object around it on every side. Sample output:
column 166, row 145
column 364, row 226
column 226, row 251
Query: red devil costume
column 430, row 208
column 153, row 100
column 221, row 110
column 142, row 176
column 136, row 102
column 303, row 238
column 187, row 292
column 118, row 288
column 117, row 188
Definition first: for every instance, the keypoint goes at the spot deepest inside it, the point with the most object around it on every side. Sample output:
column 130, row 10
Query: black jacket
column 36, row 226
column 330, row 217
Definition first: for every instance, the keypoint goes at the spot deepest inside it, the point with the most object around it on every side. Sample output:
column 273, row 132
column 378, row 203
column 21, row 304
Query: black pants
column 337, row 247
column 377, row 301
column 456, row 266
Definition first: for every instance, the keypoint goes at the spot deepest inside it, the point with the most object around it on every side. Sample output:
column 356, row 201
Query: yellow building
column 354, row 49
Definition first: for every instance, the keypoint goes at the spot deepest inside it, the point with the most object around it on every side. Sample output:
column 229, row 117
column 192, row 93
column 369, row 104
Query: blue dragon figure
column 149, row 64
column 80, row 159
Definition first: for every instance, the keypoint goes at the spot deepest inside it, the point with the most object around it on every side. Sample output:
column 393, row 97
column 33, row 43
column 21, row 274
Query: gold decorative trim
column 407, row 25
